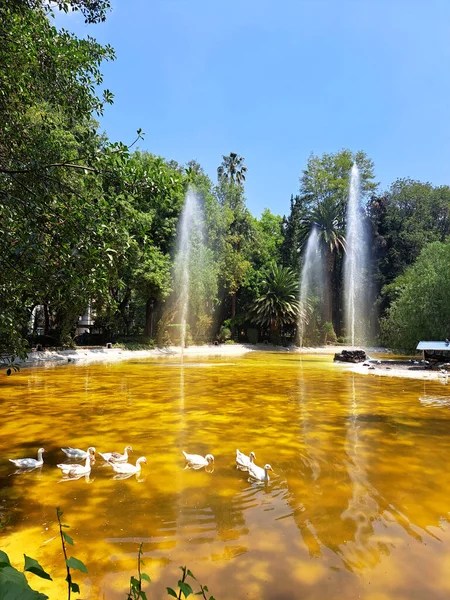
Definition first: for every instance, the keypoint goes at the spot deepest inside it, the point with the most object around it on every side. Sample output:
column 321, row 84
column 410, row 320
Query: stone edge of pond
column 104, row 354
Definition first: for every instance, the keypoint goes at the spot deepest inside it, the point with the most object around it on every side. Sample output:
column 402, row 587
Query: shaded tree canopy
column 421, row 308
column 404, row 219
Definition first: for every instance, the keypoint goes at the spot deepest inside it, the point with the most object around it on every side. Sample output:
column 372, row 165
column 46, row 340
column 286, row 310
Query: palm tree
column 278, row 305
column 328, row 217
column 232, row 168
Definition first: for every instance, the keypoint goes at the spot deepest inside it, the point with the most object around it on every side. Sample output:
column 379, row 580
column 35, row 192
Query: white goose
column 29, row 463
column 198, row 461
column 76, row 453
column 243, row 461
column 127, row 468
column 75, row 470
column 259, row 473
column 116, row 457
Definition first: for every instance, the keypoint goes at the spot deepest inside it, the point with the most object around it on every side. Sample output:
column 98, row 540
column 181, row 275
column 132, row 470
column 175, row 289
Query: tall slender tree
column 232, row 169
column 328, row 218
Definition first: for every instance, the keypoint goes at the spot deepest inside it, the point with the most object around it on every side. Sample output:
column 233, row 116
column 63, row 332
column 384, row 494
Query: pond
column 358, row 507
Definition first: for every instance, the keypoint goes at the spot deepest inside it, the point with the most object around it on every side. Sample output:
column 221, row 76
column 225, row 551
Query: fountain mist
column 190, row 239
column 312, row 278
column 356, row 286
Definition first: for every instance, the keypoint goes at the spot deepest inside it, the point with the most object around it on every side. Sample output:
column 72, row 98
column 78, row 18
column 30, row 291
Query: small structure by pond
column 435, row 351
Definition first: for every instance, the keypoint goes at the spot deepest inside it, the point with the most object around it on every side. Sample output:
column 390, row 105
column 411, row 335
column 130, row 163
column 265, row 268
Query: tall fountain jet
column 311, row 282
column 356, row 280
column 189, row 250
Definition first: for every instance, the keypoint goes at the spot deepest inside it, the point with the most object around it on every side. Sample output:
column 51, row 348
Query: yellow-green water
column 358, row 508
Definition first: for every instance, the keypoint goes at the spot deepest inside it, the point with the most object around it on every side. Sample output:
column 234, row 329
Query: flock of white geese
column 119, row 462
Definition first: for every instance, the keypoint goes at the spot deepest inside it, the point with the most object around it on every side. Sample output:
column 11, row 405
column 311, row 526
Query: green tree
column 151, row 211
column 232, row 169
column 328, row 176
column 327, row 216
column 421, row 309
column 278, row 304
column 238, row 235
column 56, row 234
column 292, row 233
column 405, row 219
column 269, row 238
column 323, row 198
column 264, row 250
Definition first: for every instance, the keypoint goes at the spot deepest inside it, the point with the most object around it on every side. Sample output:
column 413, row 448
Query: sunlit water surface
column 358, row 507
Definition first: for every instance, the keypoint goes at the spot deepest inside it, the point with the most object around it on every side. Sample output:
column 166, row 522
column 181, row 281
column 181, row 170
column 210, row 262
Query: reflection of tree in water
column 363, row 550
column 336, row 500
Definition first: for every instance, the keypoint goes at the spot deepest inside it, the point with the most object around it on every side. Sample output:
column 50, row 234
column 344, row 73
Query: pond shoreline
column 86, row 355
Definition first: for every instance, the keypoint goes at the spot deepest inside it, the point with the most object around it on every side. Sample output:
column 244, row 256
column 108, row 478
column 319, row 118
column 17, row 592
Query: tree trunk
column 233, row 305
column 329, row 274
column 122, row 310
column 149, row 307
column 46, row 319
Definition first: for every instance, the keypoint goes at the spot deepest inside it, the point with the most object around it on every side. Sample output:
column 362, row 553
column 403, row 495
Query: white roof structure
column 433, row 346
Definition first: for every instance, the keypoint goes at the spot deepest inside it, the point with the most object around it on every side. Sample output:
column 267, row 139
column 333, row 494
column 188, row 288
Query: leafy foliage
column 327, row 177
column 52, row 205
column 238, row 233
column 136, row 592
column 321, row 203
column 72, row 562
column 14, row 584
column 421, row 309
column 278, row 304
column 185, row 590
column 232, row 169
column 410, row 215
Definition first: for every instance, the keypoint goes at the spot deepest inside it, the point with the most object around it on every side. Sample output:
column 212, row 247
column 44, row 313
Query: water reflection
column 139, row 478
column 36, row 470
column 86, row 476
column 358, row 508
column 362, row 550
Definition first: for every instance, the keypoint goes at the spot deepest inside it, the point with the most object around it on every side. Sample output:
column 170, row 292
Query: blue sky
column 275, row 81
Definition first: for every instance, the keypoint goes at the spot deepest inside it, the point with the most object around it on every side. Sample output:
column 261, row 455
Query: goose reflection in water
column 87, row 478
column 37, row 471
column 138, row 477
column 209, row 468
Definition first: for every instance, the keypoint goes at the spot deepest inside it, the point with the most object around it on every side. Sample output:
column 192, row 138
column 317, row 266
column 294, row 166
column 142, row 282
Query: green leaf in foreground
column 171, row 592
column 74, row 587
column 185, row 588
column 146, row 577
column 14, row 585
column 13, row 591
column 74, row 563
column 33, row 566
column 4, row 560
column 67, row 537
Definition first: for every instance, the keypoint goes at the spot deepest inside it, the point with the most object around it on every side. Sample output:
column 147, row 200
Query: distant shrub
column 202, row 329
column 224, row 334
column 329, row 335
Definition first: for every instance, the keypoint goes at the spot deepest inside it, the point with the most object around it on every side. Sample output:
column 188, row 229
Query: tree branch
column 63, row 164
